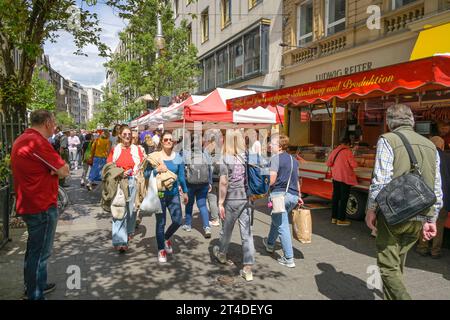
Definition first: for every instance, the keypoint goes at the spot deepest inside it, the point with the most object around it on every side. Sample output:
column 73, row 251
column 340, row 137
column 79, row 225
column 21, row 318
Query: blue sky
column 88, row 71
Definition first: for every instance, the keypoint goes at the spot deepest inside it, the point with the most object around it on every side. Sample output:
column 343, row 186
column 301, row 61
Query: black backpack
column 197, row 171
column 405, row 196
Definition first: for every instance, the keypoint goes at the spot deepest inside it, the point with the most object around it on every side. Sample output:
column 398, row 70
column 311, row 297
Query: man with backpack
column 199, row 182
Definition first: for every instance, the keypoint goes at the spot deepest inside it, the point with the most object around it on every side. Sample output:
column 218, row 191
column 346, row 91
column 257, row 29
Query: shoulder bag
column 405, row 196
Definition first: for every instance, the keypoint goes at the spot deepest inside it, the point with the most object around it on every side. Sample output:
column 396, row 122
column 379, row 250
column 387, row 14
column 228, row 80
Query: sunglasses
column 126, row 134
column 167, row 140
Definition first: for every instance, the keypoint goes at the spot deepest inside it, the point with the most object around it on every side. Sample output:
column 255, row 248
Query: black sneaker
column 49, row 288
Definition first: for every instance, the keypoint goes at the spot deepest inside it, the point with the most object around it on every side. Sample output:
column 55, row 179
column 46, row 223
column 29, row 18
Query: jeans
column 41, row 233
column 197, row 192
column 85, row 172
column 96, row 169
column 174, row 205
column 341, row 192
column 73, row 156
column 241, row 211
column 280, row 225
column 212, row 201
column 122, row 228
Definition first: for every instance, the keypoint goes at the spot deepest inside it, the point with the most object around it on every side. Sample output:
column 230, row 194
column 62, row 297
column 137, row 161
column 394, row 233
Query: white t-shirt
column 156, row 139
column 74, row 142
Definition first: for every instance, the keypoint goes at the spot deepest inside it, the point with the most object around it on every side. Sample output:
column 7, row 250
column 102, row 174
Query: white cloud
column 88, row 71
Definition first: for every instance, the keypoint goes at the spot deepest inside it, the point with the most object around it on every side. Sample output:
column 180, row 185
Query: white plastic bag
column 151, row 202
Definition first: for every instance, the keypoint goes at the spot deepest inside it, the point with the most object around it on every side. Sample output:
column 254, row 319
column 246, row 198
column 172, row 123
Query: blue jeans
column 280, row 225
column 41, row 233
column 122, row 228
column 174, row 205
column 197, row 192
column 95, row 175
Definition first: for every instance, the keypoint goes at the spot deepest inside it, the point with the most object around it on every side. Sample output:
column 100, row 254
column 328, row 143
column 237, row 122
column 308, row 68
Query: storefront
column 319, row 113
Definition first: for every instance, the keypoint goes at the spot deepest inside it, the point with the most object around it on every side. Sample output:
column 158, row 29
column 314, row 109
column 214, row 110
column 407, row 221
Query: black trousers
column 341, row 191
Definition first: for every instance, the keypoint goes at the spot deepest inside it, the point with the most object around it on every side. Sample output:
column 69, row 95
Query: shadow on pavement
column 342, row 286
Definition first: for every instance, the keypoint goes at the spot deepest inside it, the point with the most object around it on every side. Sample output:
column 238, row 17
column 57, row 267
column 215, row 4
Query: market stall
column 319, row 113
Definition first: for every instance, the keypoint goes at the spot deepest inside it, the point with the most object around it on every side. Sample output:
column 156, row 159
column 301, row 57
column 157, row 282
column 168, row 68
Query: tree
column 24, row 26
column 170, row 74
column 110, row 109
column 43, row 94
column 65, row 120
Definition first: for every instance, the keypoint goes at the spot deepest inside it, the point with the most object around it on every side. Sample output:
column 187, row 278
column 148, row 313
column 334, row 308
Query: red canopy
column 426, row 74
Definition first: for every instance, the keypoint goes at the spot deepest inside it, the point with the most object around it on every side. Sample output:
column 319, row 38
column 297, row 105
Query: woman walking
column 99, row 152
column 170, row 199
column 284, row 185
column 199, row 182
column 86, row 157
column 127, row 156
column 234, row 204
column 342, row 164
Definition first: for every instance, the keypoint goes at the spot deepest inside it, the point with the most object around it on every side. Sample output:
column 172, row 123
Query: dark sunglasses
column 167, row 140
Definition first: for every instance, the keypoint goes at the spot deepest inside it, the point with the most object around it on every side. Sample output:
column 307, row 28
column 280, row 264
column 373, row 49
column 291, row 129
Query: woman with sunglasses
column 170, row 199
column 128, row 157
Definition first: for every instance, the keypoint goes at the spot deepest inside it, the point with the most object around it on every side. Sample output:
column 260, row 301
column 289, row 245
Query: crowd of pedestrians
column 214, row 172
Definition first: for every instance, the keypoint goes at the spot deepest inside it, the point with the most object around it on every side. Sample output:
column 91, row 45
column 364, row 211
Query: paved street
column 333, row 266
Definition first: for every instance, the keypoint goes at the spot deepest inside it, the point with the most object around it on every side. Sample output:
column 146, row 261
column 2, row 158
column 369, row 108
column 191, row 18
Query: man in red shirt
column 36, row 168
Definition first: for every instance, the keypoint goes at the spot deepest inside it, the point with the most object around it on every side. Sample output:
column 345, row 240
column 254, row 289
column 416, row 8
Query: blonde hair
column 234, row 143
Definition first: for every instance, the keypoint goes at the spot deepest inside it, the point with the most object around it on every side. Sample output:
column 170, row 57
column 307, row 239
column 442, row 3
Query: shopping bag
column 118, row 204
column 151, row 202
column 302, row 225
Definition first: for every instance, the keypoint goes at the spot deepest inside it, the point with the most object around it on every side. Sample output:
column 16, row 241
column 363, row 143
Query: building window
column 236, row 60
column 225, row 13
column 205, row 25
column 222, row 66
column 252, row 51
column 189, row 33
column 399, row 3
column 334, row 16
column 305, row 22
column 210, row 73
column 253, row 3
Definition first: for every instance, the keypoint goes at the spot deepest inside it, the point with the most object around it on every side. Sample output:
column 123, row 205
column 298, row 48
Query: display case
column 314, row 153
column 364, row 156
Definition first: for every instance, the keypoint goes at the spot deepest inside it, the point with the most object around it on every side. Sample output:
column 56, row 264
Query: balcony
column 399, row 19
column 322, row 48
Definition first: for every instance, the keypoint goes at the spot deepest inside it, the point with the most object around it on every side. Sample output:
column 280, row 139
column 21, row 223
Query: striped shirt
column 382, row 175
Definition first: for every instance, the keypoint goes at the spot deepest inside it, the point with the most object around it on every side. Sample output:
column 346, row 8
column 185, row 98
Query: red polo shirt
column 36, row 189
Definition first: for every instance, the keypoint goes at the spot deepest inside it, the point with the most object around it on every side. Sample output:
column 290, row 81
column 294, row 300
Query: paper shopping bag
column 302, row 225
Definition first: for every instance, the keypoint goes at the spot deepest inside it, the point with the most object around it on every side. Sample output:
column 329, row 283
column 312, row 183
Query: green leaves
column 172, row 73
column 65, row 120
column 43, row 94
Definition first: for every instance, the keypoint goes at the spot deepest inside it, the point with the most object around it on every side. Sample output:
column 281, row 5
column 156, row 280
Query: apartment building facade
column 330, row 38
column 94, row 98
column 237, row 41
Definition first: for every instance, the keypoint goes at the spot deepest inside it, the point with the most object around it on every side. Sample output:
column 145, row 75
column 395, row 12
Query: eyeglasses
column 167, row 140
column 126, row 134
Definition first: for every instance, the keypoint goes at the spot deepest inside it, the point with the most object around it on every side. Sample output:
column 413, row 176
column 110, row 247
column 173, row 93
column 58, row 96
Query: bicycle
column 63, row 202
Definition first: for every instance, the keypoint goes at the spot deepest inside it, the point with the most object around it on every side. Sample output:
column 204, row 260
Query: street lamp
column 159, row 38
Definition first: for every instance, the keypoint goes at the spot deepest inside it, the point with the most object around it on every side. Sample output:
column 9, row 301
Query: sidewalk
column 333, row 266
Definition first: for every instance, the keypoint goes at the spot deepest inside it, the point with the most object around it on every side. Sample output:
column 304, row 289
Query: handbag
column 278, row 203
column 151, row 202
column 407, row 195
column 118, row 204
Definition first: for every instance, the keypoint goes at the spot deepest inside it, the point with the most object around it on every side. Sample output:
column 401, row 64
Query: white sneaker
column 162, row 256
column 168, row 246
column 187, row 228
column 214, row 223
column 218, row 255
